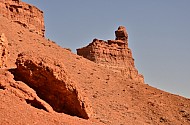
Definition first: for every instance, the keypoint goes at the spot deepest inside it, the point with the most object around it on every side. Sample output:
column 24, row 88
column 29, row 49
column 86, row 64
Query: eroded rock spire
column 121, row 34
column 114, row 54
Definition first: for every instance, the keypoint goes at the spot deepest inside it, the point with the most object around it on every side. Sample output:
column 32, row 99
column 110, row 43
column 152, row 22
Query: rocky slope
column 43, row 83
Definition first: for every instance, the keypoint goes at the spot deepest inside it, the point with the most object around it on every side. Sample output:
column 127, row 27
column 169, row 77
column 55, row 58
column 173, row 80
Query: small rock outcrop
column 3, row 50
column 21, row 90
column 26, row 15
column 52, row 83
column 114, row 54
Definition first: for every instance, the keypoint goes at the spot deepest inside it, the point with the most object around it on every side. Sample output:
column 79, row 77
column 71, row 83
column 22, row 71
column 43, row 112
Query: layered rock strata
column 26, row 15
column 114, row 54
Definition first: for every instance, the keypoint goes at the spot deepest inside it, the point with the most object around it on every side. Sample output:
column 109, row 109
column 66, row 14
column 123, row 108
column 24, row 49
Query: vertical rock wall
column 114, row 54
column 24, row 14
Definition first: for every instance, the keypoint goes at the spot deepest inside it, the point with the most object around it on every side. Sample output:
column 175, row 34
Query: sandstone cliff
column 114, row 54
column 26, row 15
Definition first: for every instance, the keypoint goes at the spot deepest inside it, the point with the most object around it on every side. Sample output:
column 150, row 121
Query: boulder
column 121, row 34
column 52, row 83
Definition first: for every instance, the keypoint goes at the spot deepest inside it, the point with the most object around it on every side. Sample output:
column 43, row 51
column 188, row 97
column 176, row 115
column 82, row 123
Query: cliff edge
column 26, row 15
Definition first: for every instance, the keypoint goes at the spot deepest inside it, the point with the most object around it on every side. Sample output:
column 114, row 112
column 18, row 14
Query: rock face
column 121, row 34
column 26, row 15
column 51, row 82
column 3, row 50
column 21, row 90
column 114, row 54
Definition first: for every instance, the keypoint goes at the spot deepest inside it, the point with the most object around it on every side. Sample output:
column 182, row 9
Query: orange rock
column 53, row 79
column 26, row 15
column 52, row 84
column 121, row 34
column 3, row 50
column 113, row 53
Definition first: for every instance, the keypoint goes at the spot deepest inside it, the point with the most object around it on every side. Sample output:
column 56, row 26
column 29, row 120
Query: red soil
column 114, row 99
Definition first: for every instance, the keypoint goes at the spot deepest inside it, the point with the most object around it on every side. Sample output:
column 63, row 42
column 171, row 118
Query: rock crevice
column 52, row 83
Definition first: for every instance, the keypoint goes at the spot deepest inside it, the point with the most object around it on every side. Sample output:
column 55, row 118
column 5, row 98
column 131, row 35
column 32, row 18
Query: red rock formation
column 114, row 54
column 24, row 14
column 3, row 50
column 115, row 100
column 21, row 90
column 52, row 83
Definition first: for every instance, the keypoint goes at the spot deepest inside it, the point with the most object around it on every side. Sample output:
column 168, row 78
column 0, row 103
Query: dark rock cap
column 121, row 33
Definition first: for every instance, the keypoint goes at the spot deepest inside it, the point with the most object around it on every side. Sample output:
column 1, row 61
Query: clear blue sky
column 159, row 33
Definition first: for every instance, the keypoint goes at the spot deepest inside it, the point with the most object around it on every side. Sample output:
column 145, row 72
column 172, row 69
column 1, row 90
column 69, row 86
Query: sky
column 159, row 33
